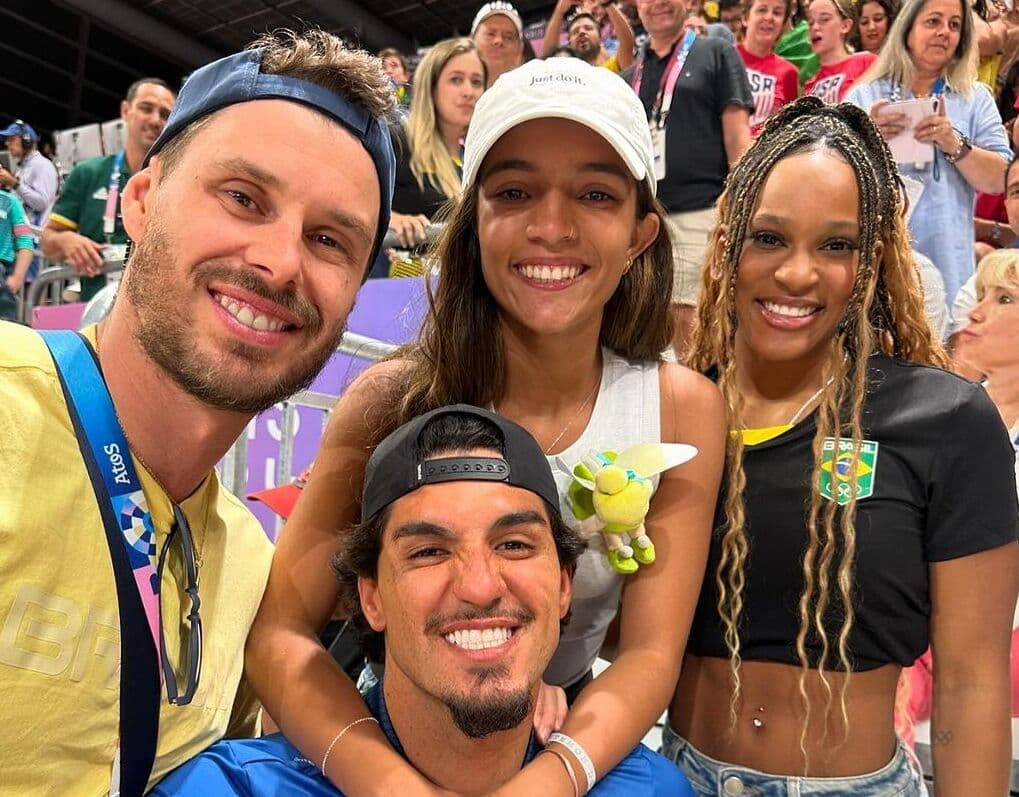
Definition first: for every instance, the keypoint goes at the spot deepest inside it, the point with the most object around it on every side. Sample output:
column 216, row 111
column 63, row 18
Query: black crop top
column 938, row 484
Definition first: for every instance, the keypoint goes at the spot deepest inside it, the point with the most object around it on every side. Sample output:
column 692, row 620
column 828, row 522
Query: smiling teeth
column 244, row 314
column 474, row 639
column 792, row 312
column 550, row 273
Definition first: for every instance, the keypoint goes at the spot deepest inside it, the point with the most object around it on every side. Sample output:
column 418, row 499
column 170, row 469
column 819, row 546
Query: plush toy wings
column 611, row 493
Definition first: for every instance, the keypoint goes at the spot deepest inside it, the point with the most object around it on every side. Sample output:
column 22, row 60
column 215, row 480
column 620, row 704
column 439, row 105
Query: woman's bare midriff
column 766, row 734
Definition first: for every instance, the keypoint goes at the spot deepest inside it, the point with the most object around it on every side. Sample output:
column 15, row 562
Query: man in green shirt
column 84, row 229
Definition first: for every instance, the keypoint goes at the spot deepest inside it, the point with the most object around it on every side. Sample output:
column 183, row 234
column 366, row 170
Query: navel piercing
column 757, row 722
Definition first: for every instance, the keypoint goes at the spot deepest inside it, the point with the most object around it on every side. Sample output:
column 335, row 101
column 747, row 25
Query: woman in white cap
column 551, row 306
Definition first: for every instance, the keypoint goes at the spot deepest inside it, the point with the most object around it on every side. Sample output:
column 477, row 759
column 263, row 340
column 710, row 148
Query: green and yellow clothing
column 60, row 648
column 795, row 47
column 82, row 203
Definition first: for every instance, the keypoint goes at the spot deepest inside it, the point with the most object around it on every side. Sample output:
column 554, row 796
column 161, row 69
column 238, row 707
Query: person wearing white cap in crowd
column 499, row 33
column 552, row 308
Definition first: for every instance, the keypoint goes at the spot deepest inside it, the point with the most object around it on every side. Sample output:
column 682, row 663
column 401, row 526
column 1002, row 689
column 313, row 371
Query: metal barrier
column 432, row 230
column 233, row 468
column 48, row 278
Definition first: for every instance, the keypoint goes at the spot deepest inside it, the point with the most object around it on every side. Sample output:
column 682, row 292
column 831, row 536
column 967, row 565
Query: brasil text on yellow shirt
column 59, row 625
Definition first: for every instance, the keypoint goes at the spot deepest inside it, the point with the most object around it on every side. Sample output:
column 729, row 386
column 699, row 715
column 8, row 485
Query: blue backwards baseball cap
column 238, row 78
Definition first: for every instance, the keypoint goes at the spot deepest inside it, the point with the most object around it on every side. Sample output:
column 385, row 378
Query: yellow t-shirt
column 59, row 625
column 612, row 64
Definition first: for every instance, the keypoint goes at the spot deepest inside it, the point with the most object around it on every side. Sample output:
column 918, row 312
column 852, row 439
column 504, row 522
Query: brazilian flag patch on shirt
column 840, row 468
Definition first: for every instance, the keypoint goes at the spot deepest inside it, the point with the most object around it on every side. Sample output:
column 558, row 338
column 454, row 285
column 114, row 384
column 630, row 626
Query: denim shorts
column 711, row 778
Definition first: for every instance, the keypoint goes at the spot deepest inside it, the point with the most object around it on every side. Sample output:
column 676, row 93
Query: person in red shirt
column 830, row 23
column 773, row 79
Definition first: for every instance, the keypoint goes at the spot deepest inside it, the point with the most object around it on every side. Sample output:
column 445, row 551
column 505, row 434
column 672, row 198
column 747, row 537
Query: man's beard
column 588, row 52
column 478, row 716
column 166, row 331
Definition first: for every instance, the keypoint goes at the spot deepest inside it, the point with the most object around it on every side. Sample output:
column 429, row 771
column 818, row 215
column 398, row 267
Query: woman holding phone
column 929, row 53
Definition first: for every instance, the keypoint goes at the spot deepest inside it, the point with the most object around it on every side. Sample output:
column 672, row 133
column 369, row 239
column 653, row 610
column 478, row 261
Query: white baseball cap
column 498, row 7
column 562, row 88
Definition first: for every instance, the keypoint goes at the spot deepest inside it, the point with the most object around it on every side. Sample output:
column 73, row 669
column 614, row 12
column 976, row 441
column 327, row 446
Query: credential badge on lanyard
column 663, row 100
column 112, row 197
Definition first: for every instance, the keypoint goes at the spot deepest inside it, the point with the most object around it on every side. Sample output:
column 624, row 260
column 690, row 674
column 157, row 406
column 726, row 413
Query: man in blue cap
column 35, row 179
column 130, row 575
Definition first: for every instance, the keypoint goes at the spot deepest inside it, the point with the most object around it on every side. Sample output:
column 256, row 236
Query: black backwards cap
column 396, row 466
column 238, row 78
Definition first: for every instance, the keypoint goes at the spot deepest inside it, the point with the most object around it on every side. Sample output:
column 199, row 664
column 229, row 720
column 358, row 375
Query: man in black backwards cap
column 459, row 578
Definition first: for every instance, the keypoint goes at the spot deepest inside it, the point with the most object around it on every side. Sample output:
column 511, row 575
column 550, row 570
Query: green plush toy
column 611, row 493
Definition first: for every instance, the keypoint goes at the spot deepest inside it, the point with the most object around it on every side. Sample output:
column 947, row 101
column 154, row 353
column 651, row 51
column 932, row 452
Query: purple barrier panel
column 58, row 316
column 390, row 310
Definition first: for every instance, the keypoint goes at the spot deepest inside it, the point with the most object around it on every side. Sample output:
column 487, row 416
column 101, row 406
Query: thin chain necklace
column 809, row 401
column 574, row 417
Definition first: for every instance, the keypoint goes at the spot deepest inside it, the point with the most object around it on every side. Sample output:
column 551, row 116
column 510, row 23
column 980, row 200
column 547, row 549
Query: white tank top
column 626, row 412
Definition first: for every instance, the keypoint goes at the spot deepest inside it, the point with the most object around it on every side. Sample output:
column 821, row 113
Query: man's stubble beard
column 167, row 335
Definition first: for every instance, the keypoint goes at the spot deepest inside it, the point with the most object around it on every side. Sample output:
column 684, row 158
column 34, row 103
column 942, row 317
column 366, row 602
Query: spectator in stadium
column 395, row 67
column 249, row 251
column 730, row 14
column 989, row 343
column 499, row 33
column 773, row 80
column 585, row 38
column 85, row 224
column 16, row 250
column 460, row 585
column 605, row 20
column 966, row 299
column 830, row 24
column 697, row 22
column 929, row 52
column 36, row 180
column 701, row 127
column 448, row 82
column 987, row 350
column 852, row 532
column 794, row 46
column 557, row 258
column 873, row 19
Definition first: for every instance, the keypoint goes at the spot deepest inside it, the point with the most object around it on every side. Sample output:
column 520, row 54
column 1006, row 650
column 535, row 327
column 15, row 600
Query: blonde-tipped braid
column 885, row 313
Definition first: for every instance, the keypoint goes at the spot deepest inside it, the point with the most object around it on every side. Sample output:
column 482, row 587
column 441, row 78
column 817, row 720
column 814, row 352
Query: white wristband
column 580, row 754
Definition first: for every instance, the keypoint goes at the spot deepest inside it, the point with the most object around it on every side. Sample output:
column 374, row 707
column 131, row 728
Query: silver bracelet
column 569, row 769
column 580, row 754
column 337, row 737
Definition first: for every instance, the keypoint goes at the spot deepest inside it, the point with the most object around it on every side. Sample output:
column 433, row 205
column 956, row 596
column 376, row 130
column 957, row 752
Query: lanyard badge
column 112, row 196
column 663, row 101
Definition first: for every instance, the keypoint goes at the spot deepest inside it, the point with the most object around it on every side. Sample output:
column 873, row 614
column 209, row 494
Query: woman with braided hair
column 869, row 507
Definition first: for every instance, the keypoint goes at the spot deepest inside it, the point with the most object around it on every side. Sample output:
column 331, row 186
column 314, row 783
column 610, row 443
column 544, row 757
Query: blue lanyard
column 122, row 506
